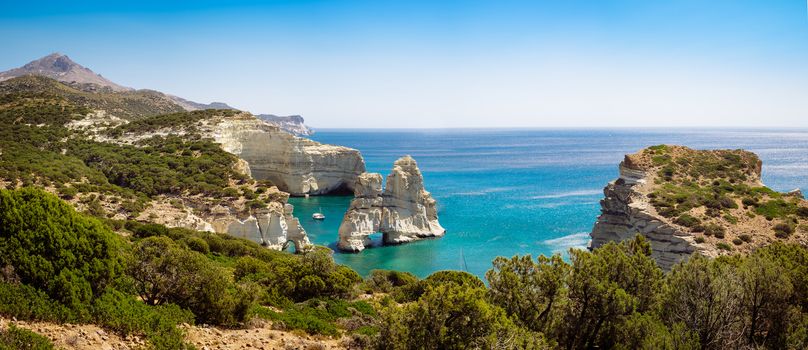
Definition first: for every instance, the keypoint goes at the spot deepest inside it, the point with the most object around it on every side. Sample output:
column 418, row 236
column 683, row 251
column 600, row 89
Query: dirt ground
column 258, row 335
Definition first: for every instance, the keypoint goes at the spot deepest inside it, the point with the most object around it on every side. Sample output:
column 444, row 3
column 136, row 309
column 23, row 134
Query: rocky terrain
column 261, row 335
column 704, row 202
column 293, row 124
column 404, row 211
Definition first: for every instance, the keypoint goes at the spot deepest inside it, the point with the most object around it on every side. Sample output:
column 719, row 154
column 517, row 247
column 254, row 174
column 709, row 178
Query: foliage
column 529, row 291
column 47, row 245
column 15, row 338
column 453, row 316
column 318, row 316
column 170, row 120
column 165, row 272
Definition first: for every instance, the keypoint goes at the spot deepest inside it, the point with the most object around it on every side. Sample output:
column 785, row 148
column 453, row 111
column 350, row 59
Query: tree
column 45, row 243
column 165, row 272
column 706, row 296
column 452, row 316
column 605, row 287
column 529, row 291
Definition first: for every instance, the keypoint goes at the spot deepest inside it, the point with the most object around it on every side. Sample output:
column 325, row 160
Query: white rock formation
column 296, row 165
column 273, row 229
column 403, row 212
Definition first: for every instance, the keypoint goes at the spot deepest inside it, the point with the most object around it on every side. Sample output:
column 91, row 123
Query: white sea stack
column 404, row 211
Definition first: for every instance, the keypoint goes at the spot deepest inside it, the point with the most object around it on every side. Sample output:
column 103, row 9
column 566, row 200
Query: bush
column 737, row 241
column 15, row 338
column 28, row 303
column 745, row 237
column 196, row 244
column 47, row 245
column 385, row 281
column 687, row 220
column 165, row 272
column 723, row 246
column 126, row 315
column 783, row 230
column 714, row 230
column 699, row 239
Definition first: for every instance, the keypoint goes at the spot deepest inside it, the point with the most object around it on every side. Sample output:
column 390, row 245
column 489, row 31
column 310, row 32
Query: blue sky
column 444, row 63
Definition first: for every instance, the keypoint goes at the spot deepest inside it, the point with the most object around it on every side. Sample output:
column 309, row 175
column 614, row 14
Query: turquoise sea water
column 507, row 192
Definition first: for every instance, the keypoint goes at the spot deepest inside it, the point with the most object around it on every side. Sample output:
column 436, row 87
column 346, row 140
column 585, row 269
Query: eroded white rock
column 296, row 165
column 404, row 211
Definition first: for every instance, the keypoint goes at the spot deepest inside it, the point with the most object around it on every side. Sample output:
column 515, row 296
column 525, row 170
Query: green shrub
column 28, row 303
column 776, row 208
column 52, row 248
column 386, row 281
column 783, row 230
column 714, row 230
column 165, row 272
column 745, row 237
column 687, row 220
column 15, row 338
column 126, row 315
column 68, row 192
column 699, row 239
column 737, row 241
column 196, row 244
column 802, row 212
column 723, row 246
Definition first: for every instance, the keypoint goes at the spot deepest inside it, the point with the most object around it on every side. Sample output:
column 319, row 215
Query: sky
column 436, row 64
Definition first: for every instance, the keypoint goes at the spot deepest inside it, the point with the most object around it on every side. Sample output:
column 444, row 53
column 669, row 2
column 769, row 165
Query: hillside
column 60, row 67
column 94, row 91
column 690, row 201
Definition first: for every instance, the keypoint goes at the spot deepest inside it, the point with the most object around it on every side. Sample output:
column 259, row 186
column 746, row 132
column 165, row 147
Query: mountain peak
column 60, row 67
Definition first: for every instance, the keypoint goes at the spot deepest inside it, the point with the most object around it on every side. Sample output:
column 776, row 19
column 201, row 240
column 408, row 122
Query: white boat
column 318, row 215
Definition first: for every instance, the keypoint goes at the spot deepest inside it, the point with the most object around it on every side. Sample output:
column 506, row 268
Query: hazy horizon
column 471, row 64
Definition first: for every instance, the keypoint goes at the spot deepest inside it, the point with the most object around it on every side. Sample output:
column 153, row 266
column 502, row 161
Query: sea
column 503, row 192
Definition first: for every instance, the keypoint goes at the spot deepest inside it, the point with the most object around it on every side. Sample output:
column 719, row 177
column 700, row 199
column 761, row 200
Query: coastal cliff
column 293, row 124
column 404, row 211
column 696, row 202
column 296, row 165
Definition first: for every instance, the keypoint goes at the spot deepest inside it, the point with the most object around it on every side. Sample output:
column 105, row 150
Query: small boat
column 318, row 215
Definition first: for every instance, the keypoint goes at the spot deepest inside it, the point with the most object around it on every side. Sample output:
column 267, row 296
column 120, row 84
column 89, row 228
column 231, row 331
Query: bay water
column 504, row 192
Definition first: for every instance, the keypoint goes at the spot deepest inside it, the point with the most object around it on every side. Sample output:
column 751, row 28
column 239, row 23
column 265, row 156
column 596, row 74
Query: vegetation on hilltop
column 126, row 104
column 614, row 297
column 36, row 148
column 718, row 194
column 171, row 120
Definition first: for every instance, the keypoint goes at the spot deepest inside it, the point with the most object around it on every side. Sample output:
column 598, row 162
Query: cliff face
column 292, row 124
column 404, row 211
column 625, row 212
column 687, row 201
column 296, row 165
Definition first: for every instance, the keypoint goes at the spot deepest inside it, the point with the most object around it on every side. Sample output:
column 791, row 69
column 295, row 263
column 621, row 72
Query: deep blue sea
column 505, row 192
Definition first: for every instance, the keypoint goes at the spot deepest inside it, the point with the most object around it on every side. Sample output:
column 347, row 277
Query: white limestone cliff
column 404, row 211
column 296, row 165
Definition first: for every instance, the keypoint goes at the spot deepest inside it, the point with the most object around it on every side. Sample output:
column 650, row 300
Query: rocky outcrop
column 296, row 165
column 272, row 228
column 625, row 213
column 292, row 124
column 707, row 202
column 404, row 211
